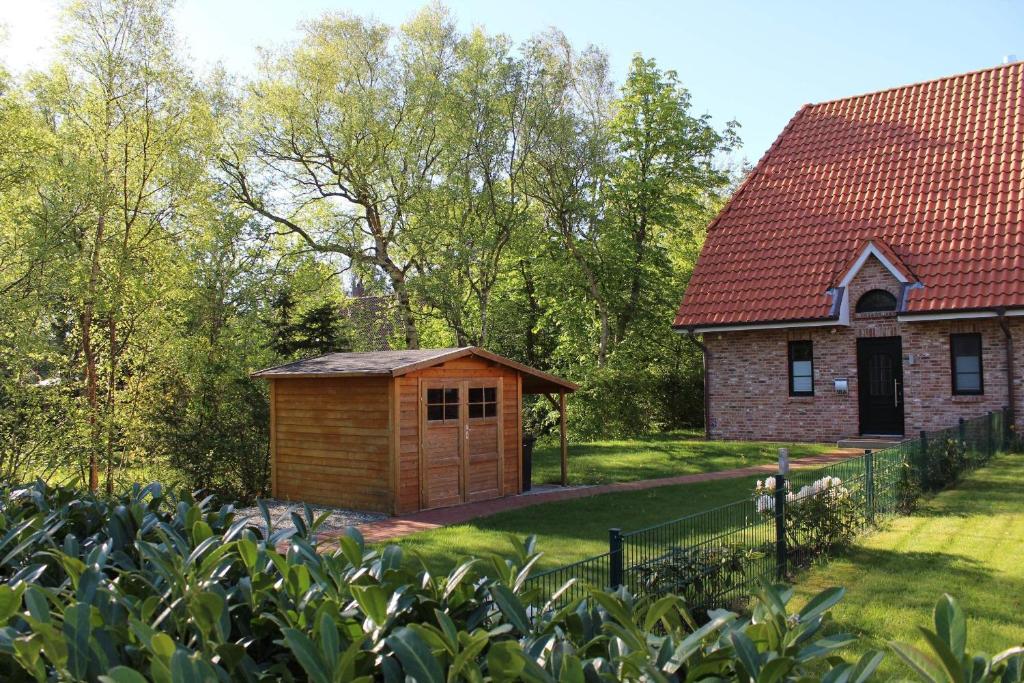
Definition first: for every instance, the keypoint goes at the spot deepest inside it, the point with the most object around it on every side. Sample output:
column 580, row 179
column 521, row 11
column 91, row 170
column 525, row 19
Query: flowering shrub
column 820, row 516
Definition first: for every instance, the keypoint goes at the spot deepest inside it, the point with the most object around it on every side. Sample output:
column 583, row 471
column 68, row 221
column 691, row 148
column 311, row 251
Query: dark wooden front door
column 880, row 382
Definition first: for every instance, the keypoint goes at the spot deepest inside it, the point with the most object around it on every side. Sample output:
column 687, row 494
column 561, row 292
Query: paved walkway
column 403, row 525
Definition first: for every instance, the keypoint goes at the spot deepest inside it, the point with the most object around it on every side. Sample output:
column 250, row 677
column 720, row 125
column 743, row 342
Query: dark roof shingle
column 356, row 363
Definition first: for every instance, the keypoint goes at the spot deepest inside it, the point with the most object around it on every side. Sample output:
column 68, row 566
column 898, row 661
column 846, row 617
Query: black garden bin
column 528, row 441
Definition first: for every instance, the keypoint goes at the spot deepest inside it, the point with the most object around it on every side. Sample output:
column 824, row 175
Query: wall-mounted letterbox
column 842, row 386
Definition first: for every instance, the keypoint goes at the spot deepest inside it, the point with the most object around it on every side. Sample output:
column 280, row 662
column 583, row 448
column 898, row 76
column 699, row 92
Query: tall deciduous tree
column 664, row 170
column 471, row 217
column 124, row 119
column 569, row 167
column 343, row 138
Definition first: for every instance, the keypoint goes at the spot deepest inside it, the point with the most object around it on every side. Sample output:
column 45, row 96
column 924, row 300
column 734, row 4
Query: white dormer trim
column 869, row 250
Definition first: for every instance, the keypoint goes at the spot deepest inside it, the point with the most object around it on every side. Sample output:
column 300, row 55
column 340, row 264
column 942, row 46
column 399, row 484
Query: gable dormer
column 872, row 272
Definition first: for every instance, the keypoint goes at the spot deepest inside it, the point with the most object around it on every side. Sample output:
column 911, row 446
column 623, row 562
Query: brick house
column 868, row 276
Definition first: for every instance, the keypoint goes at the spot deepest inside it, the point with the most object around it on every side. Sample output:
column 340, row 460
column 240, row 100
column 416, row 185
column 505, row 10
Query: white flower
column 765, row 503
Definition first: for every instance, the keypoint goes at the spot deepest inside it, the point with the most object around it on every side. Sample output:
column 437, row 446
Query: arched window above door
column 876, row 301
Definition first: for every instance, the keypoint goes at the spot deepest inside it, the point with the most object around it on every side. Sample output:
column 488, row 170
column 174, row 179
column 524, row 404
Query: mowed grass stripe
column 967, row 541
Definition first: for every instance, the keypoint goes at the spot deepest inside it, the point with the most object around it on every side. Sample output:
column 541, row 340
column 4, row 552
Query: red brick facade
column 748, row 373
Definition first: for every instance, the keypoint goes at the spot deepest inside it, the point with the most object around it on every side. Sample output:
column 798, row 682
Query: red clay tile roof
column 932, row 170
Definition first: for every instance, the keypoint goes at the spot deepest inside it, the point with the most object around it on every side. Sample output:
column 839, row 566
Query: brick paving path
column 403, row 525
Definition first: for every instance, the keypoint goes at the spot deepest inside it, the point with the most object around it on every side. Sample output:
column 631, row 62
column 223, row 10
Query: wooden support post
column 564, row 440
column 560, row 407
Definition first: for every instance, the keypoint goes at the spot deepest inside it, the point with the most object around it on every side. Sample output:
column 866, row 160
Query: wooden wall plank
column 502, row 419
column 332, row 441
column 395, row 443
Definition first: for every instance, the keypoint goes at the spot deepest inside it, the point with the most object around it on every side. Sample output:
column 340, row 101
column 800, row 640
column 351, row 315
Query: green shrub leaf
column 77, row 631
column 952, row 665
column 505, row 661
column 415, row 656
column 123, row 674
column 510, row 606
column 821, row 603
column 10, row 601
column 307, row 655
column 951, row 625
column 926, row 667
column 746, row 653
column 373, row 601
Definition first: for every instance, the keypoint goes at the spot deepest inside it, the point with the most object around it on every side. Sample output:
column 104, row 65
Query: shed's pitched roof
column 932, row 170
column 397, row 363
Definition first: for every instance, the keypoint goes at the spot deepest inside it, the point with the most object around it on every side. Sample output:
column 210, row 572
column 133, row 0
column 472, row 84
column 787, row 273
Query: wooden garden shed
column 399, row 431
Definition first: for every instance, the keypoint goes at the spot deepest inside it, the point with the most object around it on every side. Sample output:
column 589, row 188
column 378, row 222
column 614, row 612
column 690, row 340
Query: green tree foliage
column 513, row 198
column 123, row 147
column 342, row 138
column 163, row 235
column 322, row 329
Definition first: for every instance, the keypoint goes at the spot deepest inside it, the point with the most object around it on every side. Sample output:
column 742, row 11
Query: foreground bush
column 152, row 586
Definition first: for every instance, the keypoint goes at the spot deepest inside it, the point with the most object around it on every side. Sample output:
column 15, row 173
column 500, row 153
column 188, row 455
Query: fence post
column 781, row 554
column 990, row 444
column 615, row 568
column 1007, row 427
column 869, row 483
column 962, row 433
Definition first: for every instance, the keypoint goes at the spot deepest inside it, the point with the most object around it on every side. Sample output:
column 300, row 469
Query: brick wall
column 748, row 383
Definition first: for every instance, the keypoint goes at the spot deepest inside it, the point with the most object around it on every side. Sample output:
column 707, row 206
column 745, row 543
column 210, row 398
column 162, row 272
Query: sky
column 753, row 61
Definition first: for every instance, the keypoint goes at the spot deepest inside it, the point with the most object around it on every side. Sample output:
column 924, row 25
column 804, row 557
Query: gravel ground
column 280, row 514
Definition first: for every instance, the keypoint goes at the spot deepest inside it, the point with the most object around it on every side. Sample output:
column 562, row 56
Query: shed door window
column 965, row 350
column 442, row 404
column 801, row 368
column 483, row 402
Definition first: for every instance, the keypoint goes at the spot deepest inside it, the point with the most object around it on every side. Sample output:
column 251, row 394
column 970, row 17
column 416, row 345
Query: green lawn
column 656, row 456
column 968, row 542
column 574, row 529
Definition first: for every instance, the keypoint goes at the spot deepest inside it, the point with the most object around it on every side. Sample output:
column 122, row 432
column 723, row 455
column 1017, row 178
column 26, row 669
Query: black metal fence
column 715, row 558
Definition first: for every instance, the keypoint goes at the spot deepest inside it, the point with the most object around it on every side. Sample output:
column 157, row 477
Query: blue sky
column 756, row 62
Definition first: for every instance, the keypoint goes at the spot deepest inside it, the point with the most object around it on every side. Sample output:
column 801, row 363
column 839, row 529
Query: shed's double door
column 461, row 452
